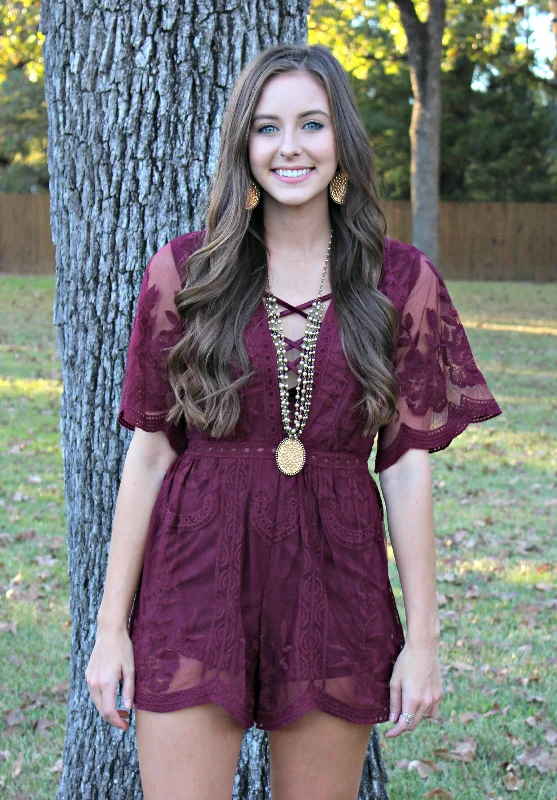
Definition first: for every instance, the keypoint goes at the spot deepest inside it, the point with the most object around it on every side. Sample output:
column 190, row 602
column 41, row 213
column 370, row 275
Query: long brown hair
column 226, row 276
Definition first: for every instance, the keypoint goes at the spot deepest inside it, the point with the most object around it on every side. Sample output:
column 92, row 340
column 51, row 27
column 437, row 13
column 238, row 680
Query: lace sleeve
column 441, row 389
column 146, row 394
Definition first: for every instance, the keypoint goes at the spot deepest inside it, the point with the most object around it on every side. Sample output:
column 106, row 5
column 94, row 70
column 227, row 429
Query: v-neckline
column 318, row 345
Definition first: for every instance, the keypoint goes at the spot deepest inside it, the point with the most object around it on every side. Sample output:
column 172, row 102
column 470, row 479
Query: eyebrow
column 302, row 114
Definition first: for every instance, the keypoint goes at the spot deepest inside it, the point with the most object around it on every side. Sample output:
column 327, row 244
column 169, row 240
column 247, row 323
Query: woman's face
column 292, row 129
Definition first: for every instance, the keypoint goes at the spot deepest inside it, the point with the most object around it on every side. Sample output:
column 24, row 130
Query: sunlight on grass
column 28, row 387
column 498, row 326
column 527, row 574
column 524, row 572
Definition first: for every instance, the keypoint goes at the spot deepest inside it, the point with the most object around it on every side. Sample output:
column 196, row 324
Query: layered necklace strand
column 291, row 453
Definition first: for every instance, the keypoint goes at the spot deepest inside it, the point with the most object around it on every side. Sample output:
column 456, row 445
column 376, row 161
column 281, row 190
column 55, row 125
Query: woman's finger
column 422, row 709
column 95, row 692
column 402, row 725
column 434, row 710
column 128, row 688
column 395, row 701
column 110, row 714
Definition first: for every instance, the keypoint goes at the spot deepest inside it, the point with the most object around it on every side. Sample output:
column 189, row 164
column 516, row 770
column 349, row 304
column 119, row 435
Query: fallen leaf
column 469, row 716
column 539, row 758
column 14, row 717
column 17, row 766
column 42, row 725
column 463, row 751
column 550, row 735
column 535, row 698
column 423, row 768
column 462, row 666
column 24, row 535
column 61, row 687
column 513, row 783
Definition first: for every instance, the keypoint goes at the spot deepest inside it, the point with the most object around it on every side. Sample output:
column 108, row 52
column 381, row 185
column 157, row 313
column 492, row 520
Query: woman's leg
column 318, row 757
column 190, row 754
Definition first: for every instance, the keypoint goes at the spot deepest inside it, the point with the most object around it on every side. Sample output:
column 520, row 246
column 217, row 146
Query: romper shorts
column 264, row 593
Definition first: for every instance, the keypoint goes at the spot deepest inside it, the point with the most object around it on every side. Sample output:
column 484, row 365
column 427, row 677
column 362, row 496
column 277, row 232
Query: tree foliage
column 498, row 130
column 499, row 125
column 23, row 116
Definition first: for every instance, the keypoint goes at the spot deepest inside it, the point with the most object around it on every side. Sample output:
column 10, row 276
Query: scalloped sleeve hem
column 441, row 389
column 459, row 419
column 175, row 434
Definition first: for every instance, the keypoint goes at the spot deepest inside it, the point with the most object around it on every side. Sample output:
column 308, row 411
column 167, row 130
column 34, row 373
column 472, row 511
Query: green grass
column 495, row 510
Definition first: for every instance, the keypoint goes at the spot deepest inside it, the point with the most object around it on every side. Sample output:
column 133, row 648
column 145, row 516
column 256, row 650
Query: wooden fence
column 25, row 241
column 479, row 241
column 489, row 241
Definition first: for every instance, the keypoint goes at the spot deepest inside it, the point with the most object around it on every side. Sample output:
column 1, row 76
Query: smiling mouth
column 291, row 169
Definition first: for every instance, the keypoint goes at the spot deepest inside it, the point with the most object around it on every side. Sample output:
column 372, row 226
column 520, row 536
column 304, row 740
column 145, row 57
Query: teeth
column 291, row 173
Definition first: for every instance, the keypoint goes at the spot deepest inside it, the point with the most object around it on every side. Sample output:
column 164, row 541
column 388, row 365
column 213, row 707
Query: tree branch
column 414, row 27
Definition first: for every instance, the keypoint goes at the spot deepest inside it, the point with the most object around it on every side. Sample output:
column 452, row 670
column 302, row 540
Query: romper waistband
column 327, row 458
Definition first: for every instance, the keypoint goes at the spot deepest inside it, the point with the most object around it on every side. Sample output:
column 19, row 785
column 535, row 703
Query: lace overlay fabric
column 441, row 389
column 147, row 394
column 265, row 593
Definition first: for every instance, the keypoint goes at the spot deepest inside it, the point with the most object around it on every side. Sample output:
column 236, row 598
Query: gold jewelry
column 254, row 193
column 338, row 186
column 291, row 453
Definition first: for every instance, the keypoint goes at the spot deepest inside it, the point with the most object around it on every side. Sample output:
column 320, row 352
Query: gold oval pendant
column 291, row 456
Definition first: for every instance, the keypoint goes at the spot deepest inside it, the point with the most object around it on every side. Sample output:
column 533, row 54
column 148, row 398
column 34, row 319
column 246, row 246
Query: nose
column 289, row 145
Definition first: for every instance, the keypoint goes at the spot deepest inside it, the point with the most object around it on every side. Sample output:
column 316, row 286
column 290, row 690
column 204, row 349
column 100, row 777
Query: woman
column 267, row 352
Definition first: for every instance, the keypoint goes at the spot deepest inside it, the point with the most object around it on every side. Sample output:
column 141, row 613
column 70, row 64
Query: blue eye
column 314, row 122
column 309, row 122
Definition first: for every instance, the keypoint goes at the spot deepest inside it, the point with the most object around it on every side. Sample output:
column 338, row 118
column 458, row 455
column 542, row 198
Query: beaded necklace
column 291, row 453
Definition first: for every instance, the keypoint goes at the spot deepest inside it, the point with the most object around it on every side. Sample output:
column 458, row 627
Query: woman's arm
column 415, row 684
column 147, row 461
column 406, row 487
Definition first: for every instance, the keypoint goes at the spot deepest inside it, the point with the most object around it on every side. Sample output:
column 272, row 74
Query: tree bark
column 424, row 58
column 135, row 95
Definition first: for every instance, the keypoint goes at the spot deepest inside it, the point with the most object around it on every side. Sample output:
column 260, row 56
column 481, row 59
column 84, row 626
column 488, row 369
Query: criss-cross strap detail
column 296, row 344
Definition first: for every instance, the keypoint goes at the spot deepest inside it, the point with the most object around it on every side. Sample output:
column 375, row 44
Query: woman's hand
column 111, row 660
column 416, row 686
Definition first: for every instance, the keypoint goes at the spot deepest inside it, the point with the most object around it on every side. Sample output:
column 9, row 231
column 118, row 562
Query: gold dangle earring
column 254, row 194
column 338, row 186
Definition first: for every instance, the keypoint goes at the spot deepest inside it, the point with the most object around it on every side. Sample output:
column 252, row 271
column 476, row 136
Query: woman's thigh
column 318, row 757
column 190, row 754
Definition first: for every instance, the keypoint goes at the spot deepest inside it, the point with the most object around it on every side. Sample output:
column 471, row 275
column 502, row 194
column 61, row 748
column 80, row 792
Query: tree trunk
column 424, row 58
column 135, row 95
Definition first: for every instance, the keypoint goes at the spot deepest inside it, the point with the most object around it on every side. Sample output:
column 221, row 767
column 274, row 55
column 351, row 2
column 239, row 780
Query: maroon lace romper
column 265, row 593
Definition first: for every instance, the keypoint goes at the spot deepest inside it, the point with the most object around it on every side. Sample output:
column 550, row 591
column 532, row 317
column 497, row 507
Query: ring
column 409, row 717
column 425, row 715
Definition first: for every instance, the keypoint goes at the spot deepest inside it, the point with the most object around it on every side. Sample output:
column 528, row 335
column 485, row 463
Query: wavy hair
column 226, row 276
